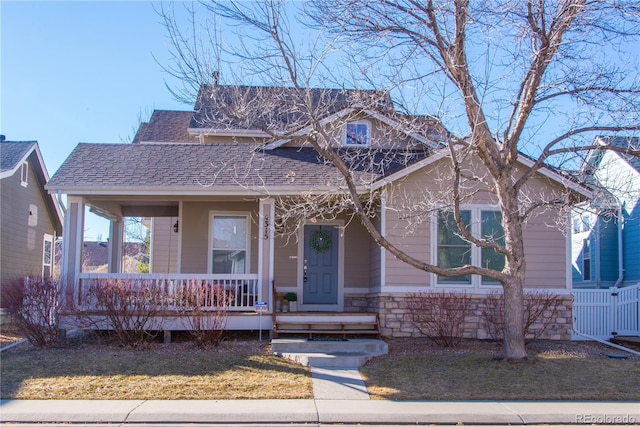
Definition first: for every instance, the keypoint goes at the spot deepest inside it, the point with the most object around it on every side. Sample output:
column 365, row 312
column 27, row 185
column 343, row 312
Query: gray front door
column 320, row 265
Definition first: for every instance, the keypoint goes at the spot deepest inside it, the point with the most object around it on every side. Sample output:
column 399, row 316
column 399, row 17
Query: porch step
column 351, row 353
column 325, row 324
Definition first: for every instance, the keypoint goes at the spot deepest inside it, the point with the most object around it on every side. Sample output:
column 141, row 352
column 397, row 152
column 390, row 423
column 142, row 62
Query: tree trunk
column 515, row 270
column 514, row 348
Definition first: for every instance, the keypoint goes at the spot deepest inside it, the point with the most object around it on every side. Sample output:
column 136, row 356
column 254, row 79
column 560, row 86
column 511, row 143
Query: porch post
column 71, row 263
column 116, row 232
column 265, row 251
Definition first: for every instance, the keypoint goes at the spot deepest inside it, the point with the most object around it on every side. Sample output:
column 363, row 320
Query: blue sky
column 79, row 72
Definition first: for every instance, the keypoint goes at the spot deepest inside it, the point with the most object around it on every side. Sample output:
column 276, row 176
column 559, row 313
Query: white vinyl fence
column 606, row 313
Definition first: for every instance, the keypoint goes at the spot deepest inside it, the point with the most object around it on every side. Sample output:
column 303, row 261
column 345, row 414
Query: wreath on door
column 320, row 241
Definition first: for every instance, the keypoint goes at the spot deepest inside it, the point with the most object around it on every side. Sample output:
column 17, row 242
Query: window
column 230, row 243
column 47, row 255
column 453, row 251
column 586, row 260
column 491, row 229
column 24, row 174
column 356, row 134
column 582, row 223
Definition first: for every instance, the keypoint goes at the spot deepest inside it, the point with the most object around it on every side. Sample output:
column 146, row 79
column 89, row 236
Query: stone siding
column 395, row 321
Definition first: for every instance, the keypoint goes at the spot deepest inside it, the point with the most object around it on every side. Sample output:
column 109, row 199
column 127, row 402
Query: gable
column 12, row 155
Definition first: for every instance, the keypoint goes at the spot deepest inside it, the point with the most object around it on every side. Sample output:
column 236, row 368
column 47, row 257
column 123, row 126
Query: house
column 606, row 230
column 31, row 218
column 95, row 256
column 237, row 197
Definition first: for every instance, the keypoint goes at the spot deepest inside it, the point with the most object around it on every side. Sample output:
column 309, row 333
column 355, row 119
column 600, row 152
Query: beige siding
column 356, row 260
column 382, row 135
column 23, row 227
column 375, row 260
column 545, row 243
column 285, row 261
column 356, row 263
column 164, row 246
column 414, row 242
column 195, row 231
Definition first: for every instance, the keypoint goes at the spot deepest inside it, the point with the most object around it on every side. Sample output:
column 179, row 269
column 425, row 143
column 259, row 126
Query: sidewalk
column 260, row 412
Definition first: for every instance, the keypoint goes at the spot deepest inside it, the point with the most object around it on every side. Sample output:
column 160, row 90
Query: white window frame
column 48, row 238
column 24, row 174
column 476, row 252
column 247, row 217
column 586, row 256
column 366, row 123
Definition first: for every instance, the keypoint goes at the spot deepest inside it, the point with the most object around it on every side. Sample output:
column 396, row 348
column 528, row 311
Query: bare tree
column 497, row 73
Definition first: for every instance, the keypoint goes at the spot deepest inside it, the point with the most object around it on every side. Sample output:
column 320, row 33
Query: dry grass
column 9, row 334
column 235, row 370
column 244, row 369
column 416, row 370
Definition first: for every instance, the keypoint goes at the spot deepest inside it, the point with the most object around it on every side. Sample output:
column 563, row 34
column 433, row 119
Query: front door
column 320, row 267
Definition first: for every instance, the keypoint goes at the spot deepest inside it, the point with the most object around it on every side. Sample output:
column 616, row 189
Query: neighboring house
column 214, row 187
column 95, row 256
column 31, row 218
column 606, row 230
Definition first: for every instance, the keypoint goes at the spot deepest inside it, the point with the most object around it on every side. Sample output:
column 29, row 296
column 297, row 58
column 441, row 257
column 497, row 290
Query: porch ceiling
column 110, row 208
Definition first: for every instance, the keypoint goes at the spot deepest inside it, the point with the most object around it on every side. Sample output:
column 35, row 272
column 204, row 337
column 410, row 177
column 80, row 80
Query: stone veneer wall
column 394, row 319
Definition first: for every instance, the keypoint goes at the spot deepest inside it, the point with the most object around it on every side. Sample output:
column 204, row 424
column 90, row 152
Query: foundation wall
column 395, row 320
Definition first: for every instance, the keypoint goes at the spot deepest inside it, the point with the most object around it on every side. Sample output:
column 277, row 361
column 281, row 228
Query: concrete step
column 351, row 353
column 302, row 345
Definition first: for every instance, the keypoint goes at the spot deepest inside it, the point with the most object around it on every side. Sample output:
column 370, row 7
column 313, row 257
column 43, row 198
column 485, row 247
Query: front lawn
column 417, row 370
column 235, row 370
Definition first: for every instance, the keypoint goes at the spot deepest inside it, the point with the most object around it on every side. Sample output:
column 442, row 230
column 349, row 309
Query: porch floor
column 325, row 323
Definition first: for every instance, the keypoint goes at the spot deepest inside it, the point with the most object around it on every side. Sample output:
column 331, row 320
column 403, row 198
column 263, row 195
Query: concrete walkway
column 317, row 412
column 338, row 384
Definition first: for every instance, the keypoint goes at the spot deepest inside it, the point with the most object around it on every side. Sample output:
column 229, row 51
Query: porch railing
column 241, row 291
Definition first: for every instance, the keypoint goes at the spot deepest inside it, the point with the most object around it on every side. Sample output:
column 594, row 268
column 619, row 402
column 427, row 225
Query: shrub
column 204, row 311
column 33, row 302
column 129, row 307
column 439, row 315
column 536, row 322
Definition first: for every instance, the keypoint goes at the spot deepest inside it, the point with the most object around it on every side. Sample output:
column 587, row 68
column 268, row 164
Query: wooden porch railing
column 241, row 290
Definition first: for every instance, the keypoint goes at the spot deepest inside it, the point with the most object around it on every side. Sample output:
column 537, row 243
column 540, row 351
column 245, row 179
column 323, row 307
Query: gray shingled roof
column 276, row 108
column 166, row 126
column 202, row 167
column 11, row 153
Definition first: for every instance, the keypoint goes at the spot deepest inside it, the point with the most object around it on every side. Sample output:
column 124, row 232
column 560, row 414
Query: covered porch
column 227, row 243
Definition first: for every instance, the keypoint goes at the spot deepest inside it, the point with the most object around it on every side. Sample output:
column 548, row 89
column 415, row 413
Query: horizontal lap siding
column 285, row 261
column 164, row 246
column 415, row 244
column 21, row 243
column 356, row 260
column 195, row 231
column 374, row 259
column 545, row 244
column 545, row 252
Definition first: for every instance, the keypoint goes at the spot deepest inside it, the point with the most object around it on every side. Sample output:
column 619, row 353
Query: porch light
column 175, row 227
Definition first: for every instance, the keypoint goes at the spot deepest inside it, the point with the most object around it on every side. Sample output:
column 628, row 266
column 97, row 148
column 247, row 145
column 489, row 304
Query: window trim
column 367, row 123
column 210, row 249
column 48, row 238
column 586, row 259
column 24, row 174
column 476, row 252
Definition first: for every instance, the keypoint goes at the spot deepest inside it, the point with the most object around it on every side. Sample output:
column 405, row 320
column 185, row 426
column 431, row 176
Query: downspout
column 60, row 204
column 610, row 344
column 620, row 248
